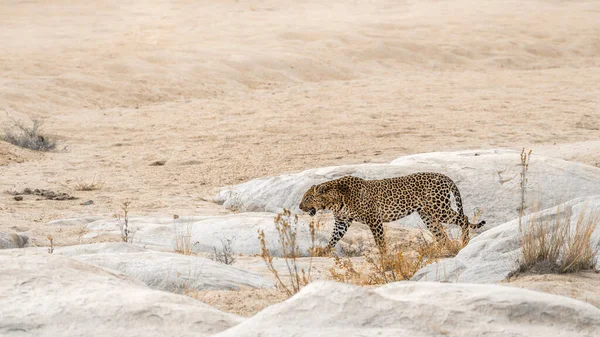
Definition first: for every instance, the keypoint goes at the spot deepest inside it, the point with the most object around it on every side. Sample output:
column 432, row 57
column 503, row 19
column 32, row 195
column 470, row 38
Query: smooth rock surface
column 491, row 256
column 176, row 272
column 98, row 248
column 488, row 180
column 82, row 221
column 421, row 309
column 206, row 232
column 49, row 295
column 10, row 240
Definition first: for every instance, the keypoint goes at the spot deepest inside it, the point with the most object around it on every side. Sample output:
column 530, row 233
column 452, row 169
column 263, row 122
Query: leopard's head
column 329, row 195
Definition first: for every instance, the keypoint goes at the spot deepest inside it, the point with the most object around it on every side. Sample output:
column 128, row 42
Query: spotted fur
column 374, row 202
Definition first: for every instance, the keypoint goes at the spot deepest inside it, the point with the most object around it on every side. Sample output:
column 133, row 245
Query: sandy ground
column 226, row 91
column 582, row 286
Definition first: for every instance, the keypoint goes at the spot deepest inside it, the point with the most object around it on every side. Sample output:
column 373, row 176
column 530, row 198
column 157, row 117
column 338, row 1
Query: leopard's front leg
column 339, row 230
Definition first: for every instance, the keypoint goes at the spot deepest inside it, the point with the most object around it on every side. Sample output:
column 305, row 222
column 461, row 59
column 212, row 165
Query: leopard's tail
column 459, row 206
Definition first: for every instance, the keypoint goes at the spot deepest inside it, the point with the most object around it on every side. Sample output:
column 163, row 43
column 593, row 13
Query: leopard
column 375, row 202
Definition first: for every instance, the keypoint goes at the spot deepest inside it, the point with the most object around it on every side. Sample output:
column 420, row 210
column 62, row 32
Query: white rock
column 487, row 179
column 206, row 232
column 98, row 248
column 492, row 255
column 421, row 309
column 13, row 240
column 49, row 295
column 82, row 221
column 176, row 272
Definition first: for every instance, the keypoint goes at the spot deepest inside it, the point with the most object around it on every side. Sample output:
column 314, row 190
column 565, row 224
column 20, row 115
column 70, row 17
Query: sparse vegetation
column 554, row 246
column 225, row 254
column 127, row 233
column 525, row 157
column 439, row 249
column 395, row 265
column 51, row 248
column 29, row 137
column 93, row 185
column 287, row 229
column 183, row 239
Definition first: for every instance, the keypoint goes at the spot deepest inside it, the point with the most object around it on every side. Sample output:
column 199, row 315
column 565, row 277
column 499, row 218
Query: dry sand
column 582, row 286
column 226, row 91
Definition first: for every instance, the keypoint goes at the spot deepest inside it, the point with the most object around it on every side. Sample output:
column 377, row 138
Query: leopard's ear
column 321, row 188
column 333, row 184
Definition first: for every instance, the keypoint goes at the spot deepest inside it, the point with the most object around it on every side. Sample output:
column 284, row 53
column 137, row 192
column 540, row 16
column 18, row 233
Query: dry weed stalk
column 51, row 248
column 126, row 233
column 525, row 157
column 287, row 229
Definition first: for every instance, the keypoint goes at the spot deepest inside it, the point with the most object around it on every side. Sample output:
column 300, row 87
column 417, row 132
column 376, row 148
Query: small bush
column 286, row 226
column 127, row 233
column 225, row 254
column 29, row 137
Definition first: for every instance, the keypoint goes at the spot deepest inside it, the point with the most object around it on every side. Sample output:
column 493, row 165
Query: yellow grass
column 557, row 246
column 394, row 265
column 183, row 235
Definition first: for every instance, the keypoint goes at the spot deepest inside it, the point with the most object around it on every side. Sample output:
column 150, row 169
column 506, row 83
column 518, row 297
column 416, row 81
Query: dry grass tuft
column 579, row 254
column 287, row 229
column 555, row 246
column 440, row 249
column 93, row 185
column 183, row 237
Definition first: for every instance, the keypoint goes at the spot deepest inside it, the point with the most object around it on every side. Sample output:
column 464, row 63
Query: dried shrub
column 287, row 229
column 394, row 265
column 226, row 254
column 29, row 137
